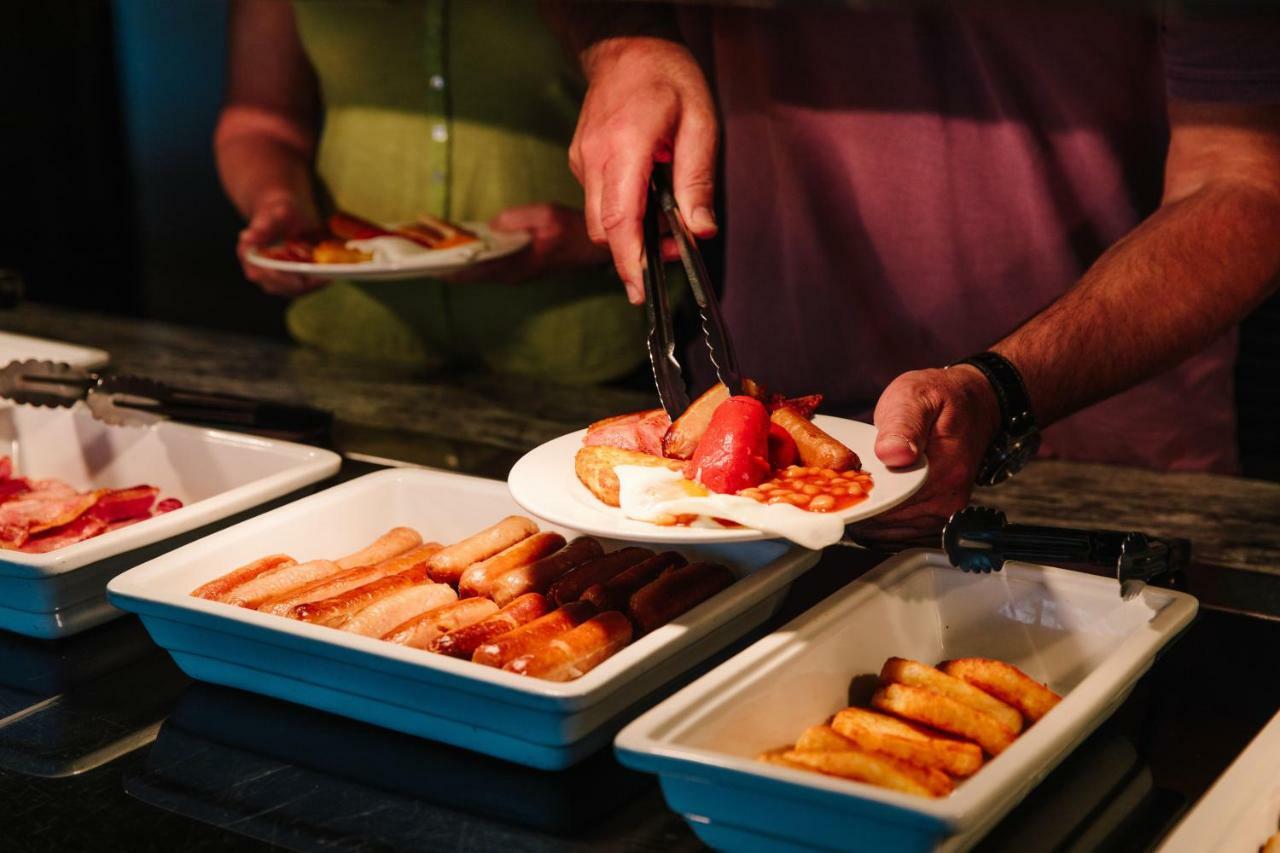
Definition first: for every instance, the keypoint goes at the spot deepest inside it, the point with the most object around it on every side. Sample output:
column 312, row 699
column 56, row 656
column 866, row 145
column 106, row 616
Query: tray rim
column 639, row 744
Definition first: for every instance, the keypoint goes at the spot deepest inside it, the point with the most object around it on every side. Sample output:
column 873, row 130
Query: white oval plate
column 492, row 245
column 544, row 483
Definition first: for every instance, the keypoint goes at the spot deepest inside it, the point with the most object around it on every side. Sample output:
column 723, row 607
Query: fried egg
column 661, row 496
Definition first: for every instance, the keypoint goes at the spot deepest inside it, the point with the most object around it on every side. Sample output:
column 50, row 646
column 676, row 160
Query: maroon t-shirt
column 903, row 189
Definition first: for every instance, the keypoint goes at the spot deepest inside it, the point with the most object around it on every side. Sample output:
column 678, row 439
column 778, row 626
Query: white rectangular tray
column 539, row 723
column 1068, row 629
column 14, row 347
column 215, row 474
column 1242, row 809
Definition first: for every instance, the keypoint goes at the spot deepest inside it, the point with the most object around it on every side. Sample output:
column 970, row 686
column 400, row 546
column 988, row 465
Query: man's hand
column 647, row 101
column 276, row 217
column 950, row 416
column 558, row 241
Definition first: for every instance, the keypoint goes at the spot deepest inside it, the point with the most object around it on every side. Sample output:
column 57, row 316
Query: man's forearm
column 1181, row 279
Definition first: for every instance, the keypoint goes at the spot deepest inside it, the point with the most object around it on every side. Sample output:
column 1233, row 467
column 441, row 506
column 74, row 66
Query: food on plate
column 393, row 543
column 815, row 447
column 915, row 674
column 462, row 642
column 395, row 608
column 348, row 239
column 335, row 585
column 927, row 734
column 756, row 460
column 219, row 587
column 883, row 771
column 1007, row 683
column 640, row 432
column 421, row 630
column 449, row 563
column 573, row 583
column 510, row 596
column 479, row 577
column 944, row 713
column 533, row 635
column 675, row 592
column 614, row 593
column 595, row 466
column 39, row 516
column 278, row 581
column 917, row 744
column 681, row 440
column 539, row 576
column 1272, row 845
column 335, row 610
column 577, row 651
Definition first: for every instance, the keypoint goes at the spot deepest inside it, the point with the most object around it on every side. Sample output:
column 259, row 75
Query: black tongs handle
column 661, row 343
column 233, row 410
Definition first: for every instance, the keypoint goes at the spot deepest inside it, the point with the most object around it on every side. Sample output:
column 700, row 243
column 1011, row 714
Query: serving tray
column 539, row 723
column 1068, row 629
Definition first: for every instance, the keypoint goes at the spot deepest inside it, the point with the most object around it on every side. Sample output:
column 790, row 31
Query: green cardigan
column 460, row 109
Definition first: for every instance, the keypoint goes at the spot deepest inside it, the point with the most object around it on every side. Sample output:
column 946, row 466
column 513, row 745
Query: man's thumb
column 903, row 419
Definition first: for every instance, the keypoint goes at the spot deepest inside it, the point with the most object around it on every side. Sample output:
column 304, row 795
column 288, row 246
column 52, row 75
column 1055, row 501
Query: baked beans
column 814, row 489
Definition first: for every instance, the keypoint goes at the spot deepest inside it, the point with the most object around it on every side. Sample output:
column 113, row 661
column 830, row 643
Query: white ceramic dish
column 544, row 483
column 14, row 347
column 1242, row 809
column 1068, row 629
column 492, row 245
column 539, row 723
column 215, row 474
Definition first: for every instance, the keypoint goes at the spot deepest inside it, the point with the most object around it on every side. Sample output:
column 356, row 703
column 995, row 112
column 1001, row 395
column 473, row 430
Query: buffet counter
column 105, row 744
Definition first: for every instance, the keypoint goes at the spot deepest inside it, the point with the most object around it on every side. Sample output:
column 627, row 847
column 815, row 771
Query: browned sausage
column 675, row 592
column 816, row 448
column 538, row 577
column 614, row 593
column 462, row 642
column 577, row 651
column 449, row 563
column 531, row 637
column 573, row 583
column 215, row 589
column 334, row 610
column 479, row 577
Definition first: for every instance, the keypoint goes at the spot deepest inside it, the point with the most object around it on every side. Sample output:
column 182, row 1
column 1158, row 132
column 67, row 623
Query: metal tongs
column 667, row 373
column 127, row 400
column 980, row 539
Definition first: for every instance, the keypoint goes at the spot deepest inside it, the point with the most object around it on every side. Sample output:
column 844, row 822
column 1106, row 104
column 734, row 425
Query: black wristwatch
column 1019, row 436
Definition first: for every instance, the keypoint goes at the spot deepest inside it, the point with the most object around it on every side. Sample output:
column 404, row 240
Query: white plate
column 215, row 474
column 15, row 347
column 1068, row 629
column 1242, row 809
column 544, row 483
column 492, row 245
column 539, row 723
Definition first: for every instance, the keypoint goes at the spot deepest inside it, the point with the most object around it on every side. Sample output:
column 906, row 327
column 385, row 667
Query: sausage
column 576, row 651
column 531, row 636
column 614, row 593
column 817, row 449
column 462, row 642
column 538, row 576
column 675, row 592
column 449, row 563
column 333, row 610
column 397, row 607
column 418, row 631
column 395, row 541
column 279, row 582
column 573, row 583
column 479, row 577
column 215, row 589
column 283, row 605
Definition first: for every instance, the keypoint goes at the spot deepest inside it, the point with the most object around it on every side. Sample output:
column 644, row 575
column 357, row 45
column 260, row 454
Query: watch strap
column 1011, row 392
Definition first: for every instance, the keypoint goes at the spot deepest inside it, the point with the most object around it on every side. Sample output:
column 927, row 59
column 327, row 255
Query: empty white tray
column 215, row 474
column 1242, row 809
column 1065, row 628
column 539, row 723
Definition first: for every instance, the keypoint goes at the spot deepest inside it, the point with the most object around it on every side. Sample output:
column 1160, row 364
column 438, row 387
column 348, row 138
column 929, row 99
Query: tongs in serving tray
column 667, row 373
column 128, row 400
column 980, row 539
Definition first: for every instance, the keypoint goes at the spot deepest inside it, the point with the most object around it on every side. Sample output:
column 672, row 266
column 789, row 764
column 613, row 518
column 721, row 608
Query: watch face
column 1008, row 457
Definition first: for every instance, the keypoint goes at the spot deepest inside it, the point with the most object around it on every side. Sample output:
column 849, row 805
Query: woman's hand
column 277, row 216
column 558, row 242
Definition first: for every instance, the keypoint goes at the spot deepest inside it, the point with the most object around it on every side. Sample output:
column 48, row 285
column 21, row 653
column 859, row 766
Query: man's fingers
column 693, row 171
column 622, row 203
column 904, row 416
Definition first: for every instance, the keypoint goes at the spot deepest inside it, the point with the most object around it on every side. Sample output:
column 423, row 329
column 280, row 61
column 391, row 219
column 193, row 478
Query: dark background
column 111, row 202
